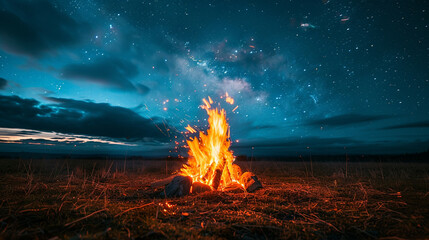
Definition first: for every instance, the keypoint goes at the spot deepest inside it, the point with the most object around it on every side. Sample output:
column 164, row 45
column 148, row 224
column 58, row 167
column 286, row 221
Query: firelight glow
column 210, row 160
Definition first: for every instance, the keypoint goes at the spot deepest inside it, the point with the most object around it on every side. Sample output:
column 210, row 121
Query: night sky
column 127, row 77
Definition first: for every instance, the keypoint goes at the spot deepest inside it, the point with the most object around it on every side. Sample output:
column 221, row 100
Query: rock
column 180, row 186
column 250, row 182
column 198, row 187
column 162, row 182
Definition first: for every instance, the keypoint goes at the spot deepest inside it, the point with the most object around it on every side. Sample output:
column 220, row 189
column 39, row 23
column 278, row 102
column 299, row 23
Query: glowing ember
column 229, row 99
column 210, row 160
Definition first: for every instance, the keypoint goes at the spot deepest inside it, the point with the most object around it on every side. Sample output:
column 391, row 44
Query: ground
column 104, row 199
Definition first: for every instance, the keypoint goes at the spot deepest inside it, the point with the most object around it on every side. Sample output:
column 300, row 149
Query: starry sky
column 127, row 77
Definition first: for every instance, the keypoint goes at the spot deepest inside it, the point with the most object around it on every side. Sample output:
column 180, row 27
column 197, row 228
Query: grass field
column 87, row 199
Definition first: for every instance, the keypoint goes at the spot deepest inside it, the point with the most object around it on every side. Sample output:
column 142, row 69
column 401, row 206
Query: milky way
column 129, row 76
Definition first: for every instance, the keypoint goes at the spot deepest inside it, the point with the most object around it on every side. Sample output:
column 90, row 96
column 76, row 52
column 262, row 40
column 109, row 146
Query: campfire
column 210, row 165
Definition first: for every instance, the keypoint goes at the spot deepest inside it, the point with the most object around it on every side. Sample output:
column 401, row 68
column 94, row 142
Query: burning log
column 180, row 186
column 208, row 172
column 233, row 188
column 250, row 182
column 218, row 174
column 217, row 177
column 210, row 161
column 198, row 187
column 236, row 171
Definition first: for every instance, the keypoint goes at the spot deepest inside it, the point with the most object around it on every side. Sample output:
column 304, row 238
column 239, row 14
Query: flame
column 190, row 129
column 210, row 160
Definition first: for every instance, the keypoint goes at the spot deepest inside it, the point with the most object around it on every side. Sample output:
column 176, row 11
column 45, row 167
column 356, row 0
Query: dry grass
column 90, row 199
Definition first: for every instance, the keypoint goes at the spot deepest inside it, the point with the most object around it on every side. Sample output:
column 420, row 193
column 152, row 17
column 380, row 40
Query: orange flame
column 190, row 129
column 210, row 160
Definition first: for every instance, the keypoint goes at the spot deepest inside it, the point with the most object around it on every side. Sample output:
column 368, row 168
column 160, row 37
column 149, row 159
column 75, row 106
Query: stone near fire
column 162, row 182
column 180, row 186
column 250, row 182
column 198, row 187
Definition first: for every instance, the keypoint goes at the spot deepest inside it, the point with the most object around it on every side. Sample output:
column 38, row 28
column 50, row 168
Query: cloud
column 113, row 72
column 294, row 143
column 35, row 28
column 344, row 120
column 422, row 124
column 19, row 135
column 79, row 117
column 3, row 83
column 234, row 85
column 142, row 89
column 321, row 145
column 244, row 128
column 27, row 132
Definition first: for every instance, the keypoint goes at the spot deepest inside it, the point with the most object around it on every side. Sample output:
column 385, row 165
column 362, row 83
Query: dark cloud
column 267, row 126
column 320, row 145
column 30, row 147
column 294, row 146
column 3, row 83
column 422, row 124
column 5, row 132
column 33, row 142
column 34, row 28
column 79, row 117
column 142, row 89
column 36, row 145
column 345, row 120
column 245, row 127
column 295, row 143
column 113, row 72
column 27, row 132
column 15, row 108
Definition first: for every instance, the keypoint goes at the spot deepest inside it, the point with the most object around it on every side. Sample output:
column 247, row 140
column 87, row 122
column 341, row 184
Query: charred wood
column 250, row 182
